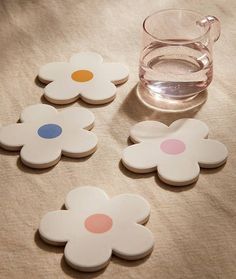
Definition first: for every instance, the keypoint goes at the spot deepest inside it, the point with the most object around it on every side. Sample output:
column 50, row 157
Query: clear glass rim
column 171, row 41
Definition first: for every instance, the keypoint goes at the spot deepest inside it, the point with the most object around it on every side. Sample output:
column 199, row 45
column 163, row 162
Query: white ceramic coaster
column 85, row 76
column 176, row 152
column 95, row 226
column 45, row 134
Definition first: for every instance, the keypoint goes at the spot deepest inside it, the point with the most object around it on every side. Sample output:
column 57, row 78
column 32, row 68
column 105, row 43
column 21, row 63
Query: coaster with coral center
column 85, row 77
column 45, row 134
column 176, row 152
column 94, row 226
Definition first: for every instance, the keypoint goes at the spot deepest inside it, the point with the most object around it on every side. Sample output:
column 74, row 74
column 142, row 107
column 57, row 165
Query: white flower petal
column 115, row 72
column 141, row 157
column 98, row 92
column 210, row 153
column 56, row 227
column 132, row 242
column 86, row 198
column 53, row 71
column 63, row 91
column 88, row 253
column 86, row 59
column 189, row 128
column 79, row 143
column 147, row 130
column 38, row 112
column 134, row 208
column 178, row 170
column 41, row 153
column 14, row 136
column 76, row 117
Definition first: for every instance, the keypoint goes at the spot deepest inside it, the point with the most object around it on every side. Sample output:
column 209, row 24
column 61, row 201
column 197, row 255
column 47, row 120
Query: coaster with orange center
column 86, row 76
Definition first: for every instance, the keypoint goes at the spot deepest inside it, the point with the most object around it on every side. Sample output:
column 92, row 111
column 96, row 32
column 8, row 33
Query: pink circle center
column 172, row 146
column 98, row 223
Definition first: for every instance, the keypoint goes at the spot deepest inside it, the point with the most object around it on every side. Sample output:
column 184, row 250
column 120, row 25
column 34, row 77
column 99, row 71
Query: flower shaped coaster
column 85, row 76
column 94, row 226
column 45, row 134
column 176, row 151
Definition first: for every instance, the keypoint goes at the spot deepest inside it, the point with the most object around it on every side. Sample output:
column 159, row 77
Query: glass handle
column 215, row 27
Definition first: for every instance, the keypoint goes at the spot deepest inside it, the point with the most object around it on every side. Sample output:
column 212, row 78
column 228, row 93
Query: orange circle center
column 82, row 75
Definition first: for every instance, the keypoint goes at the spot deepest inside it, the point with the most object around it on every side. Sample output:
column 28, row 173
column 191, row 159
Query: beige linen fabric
column 194, row 227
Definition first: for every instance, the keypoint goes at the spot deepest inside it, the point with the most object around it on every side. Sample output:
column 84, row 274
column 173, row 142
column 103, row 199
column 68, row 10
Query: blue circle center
column 49, row 131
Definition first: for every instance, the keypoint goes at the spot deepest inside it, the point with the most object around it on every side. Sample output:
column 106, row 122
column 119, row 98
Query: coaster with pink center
column 94, row 226
column 176, row 152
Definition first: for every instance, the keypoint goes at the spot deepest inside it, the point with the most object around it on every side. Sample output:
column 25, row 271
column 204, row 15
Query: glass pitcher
column 176, row 57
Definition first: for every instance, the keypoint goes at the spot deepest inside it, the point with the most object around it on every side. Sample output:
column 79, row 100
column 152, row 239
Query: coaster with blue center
column 85, row 76
column 44, row 134
column 175, row 152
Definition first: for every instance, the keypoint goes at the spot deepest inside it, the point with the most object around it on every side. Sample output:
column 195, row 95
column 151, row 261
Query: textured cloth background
column 194, row 227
